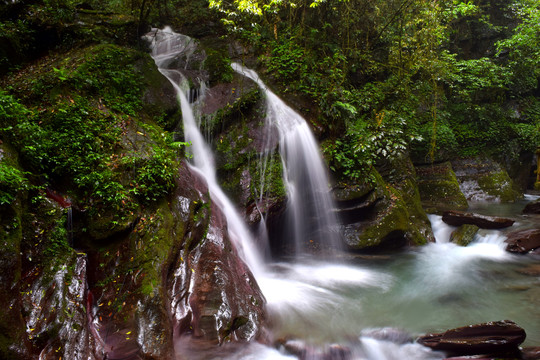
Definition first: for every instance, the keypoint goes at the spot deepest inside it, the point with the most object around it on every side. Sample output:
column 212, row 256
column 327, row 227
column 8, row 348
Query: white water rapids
column 430, row 289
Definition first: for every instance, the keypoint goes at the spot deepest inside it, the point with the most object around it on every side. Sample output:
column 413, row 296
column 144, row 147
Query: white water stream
column 311, row 208
column 428, row 289
column 166, row 46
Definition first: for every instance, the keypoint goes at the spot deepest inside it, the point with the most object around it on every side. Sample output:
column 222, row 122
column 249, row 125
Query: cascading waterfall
column 310, row 206
column 166, row 46
column 322, row 302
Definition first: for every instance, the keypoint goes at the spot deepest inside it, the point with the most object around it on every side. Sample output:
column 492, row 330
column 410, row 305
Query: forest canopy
column 436, row 79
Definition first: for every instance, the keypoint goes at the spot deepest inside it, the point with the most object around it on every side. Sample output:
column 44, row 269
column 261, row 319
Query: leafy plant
column 12, row 181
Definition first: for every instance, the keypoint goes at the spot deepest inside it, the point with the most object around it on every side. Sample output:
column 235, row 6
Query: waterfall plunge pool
column 429, row 289
column 416, row 291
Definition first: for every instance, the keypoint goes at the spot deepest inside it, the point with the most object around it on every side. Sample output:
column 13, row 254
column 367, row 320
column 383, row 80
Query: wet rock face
column 489, row 338
column 523, row 241
column 57, row 320
column 176, row 273
column 458, row 218
column 213, row 293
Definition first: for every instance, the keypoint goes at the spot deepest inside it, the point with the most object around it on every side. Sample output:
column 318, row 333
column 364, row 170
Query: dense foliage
column 382, row 77
column 395, row 76
column 71, row 127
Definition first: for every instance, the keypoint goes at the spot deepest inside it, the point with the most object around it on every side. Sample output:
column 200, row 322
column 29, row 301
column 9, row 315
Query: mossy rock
column 439, row 188
column 400, row 173
column 464, row 234
column 159, row 97
column 385, row 222
column 227, row 104
column 483, row 179
column 247, row 158
column 499, row 185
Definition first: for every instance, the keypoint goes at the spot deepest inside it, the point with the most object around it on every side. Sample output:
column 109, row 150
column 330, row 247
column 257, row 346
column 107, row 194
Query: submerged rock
column 458, row 218
column 530, row 270
column 523, row 241
column 397, row 336
column 305, row 351
column 488, row 338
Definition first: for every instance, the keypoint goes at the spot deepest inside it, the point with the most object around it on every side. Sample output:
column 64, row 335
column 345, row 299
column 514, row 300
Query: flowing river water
column 372, row 305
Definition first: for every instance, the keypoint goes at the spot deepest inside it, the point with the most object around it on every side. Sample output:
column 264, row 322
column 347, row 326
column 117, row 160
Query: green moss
column 80, row 130
column 218, row 65
column 464, row 234
column 500, row 185
column 230, row 114
column 393, row 224
column 12, row 181
column 272, row 181
column 439, row 188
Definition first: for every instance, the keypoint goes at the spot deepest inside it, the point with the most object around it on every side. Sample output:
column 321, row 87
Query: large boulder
column 439, row 188
column 482, row 179
column 523, row 241
column 377, row 215
column 494, row 338
column 458, row 218
column 175, row 273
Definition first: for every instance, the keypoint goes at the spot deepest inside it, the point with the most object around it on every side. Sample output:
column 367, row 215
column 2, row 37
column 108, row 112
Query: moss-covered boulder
column 175, row 273
column 464, row 234
column 375, row 215
column 11, row 211
column 482, row 179
column 439, row 188
column 400, row 173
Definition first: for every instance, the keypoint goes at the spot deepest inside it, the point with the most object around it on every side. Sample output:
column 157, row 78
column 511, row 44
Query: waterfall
column 166, row 47
column 310, row 209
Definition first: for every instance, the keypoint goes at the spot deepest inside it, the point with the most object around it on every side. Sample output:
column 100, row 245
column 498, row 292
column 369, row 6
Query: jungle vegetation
column 433, row 79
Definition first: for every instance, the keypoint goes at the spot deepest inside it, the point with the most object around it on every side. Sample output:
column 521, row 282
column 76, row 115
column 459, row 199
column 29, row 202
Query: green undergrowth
column 79, row 124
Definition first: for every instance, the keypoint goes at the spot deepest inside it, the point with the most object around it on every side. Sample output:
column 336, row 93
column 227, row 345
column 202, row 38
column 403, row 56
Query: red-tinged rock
column 495, row 338
column 523, row 241
column 458, row 218
column 63, row 201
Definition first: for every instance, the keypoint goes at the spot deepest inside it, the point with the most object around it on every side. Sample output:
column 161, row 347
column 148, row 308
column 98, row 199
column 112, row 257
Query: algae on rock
column 377, row 216
column 439, row 188
column 464, row 234
column 483, row 179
